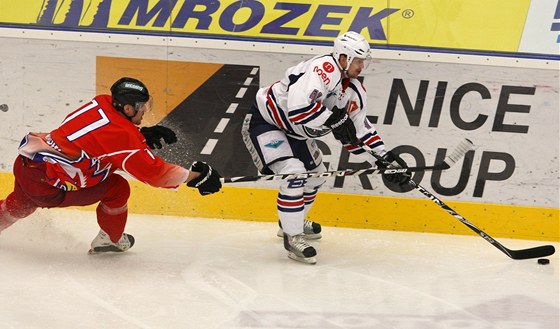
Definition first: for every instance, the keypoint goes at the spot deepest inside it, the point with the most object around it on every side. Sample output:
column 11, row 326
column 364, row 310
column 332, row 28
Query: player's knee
column 118, row 191
column 288, row 166
column 17, row 209
column 316, row 182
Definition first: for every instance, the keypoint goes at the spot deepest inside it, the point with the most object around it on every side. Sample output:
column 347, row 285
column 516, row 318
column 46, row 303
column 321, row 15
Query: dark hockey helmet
column 131, row 91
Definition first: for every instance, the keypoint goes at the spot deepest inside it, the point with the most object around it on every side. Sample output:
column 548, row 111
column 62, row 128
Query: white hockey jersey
column 301, row 102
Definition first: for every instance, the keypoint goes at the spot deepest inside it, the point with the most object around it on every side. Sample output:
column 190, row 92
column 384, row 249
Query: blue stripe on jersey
column 355, row 88
column 301, row 112
column 285, row 122
column 293, row 79
column 354, row 150
column 313, row 116
column 372, row 139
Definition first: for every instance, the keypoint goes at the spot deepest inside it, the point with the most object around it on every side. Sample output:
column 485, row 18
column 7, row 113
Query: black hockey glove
column 155, row 134
column 209, row 180
column 342, row 126
column 393, row 160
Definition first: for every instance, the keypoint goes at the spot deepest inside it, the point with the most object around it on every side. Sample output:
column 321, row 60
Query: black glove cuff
column 205, row 172
column 337, row 118
column 337, row 122
column 390, row 159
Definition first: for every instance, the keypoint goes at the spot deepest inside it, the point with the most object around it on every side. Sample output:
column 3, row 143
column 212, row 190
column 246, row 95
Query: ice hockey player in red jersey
column 316, row 97
column 75, row 164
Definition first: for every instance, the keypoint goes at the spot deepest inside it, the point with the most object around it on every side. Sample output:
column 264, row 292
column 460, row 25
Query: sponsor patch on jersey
column 328, row 67
column 322, row 74
column 315, row 95
column 275, row 144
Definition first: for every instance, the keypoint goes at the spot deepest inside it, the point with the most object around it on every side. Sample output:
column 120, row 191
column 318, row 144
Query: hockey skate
column 311, row 230
column 298, row 249
column 102, row 243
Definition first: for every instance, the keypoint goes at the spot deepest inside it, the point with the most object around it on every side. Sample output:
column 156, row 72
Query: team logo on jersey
column 69, row 187
column 275, row 144
column 328, row 67
column 315, row 95
column 353, row 106
column 75, row 175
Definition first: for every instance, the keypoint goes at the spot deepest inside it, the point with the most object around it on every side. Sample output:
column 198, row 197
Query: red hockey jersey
column 93, row 142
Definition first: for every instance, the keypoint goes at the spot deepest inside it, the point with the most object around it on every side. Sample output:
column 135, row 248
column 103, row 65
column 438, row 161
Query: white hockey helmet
column 353, row 45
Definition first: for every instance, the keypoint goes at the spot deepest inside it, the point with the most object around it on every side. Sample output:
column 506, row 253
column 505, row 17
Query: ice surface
column 210, row 273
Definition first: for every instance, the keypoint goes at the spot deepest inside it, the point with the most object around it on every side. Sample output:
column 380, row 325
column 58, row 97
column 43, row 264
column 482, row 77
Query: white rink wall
column 509, row 109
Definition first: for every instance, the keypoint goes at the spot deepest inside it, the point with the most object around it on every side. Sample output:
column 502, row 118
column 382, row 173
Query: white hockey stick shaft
column 449, row 161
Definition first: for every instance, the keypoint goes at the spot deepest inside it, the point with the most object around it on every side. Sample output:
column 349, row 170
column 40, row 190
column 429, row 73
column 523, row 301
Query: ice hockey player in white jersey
column 315, row 97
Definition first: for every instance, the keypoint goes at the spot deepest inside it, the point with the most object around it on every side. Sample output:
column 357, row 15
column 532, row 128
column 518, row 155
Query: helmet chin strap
column 344, row 70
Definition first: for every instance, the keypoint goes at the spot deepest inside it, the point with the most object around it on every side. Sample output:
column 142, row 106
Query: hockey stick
column 536, row 252
column 449, row 161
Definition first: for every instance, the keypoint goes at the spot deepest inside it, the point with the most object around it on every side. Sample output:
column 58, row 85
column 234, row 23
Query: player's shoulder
column 357, row 86
column 104, row 100
column 324, row 63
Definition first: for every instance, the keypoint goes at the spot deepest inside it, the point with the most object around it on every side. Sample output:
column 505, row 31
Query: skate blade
column 316, row 236
column 105, row 249
column 308, row 260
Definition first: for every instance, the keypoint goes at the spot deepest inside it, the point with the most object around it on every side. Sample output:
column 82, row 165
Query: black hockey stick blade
column 536, row 252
